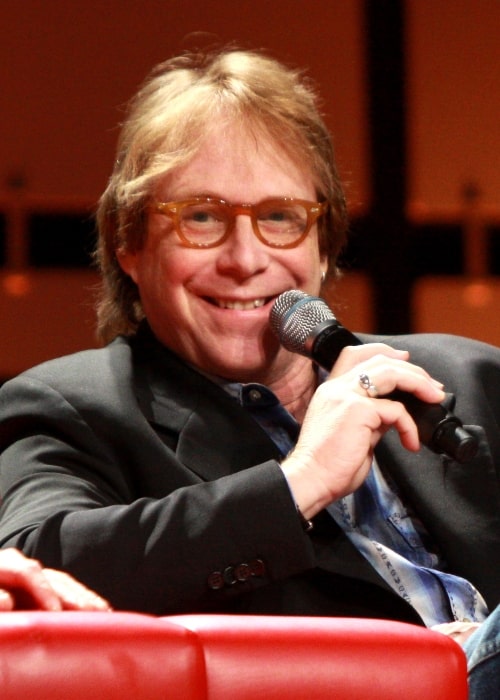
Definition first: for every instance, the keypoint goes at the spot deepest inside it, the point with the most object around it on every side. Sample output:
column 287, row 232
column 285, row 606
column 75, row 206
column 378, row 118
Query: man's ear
column 128, row 262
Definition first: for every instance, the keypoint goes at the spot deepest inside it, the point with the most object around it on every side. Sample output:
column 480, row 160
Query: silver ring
column 365, row 383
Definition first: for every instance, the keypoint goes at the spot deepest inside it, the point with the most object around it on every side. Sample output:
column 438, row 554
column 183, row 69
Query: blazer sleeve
column 96, row 493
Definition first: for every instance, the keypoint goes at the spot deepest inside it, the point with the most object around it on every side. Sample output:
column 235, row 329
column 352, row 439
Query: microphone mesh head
column 295, row 315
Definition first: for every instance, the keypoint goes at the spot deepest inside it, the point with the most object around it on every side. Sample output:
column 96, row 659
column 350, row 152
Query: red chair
column 117, row 656
column 319, row 658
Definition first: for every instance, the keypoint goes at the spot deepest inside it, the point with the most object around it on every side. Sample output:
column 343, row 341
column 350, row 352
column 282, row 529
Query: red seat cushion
column 92, row 655
column 314, row 658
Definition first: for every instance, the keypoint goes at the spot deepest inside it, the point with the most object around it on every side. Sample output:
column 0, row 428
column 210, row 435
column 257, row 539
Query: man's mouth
column 247, row 305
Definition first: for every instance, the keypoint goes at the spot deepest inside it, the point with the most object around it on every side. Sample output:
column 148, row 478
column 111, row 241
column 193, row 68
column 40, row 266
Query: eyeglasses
column 204, row 222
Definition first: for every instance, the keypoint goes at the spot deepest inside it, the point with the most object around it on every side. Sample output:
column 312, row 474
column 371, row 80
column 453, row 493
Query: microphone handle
column 438, row 428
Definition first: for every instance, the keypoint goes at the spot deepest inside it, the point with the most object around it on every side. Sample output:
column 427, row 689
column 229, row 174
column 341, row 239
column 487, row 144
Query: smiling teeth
column 240, row 305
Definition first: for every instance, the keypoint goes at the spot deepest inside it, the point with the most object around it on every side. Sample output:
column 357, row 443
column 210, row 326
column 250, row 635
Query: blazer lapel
column 216, row 437
column 209, row 431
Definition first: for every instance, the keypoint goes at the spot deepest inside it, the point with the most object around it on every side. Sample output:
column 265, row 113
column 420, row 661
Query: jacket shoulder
column 82, row 373
column 435, row 349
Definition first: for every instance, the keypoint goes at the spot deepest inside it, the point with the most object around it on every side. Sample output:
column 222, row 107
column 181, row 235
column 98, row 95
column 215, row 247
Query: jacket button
column 257, row 567
column 215, row 581
column 228, row 575
column 242, row 572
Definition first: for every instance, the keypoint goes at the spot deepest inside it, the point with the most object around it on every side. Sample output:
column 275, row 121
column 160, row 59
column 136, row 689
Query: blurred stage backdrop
column 410, row 92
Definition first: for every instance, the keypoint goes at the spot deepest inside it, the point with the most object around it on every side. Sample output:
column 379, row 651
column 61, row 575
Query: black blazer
column 144, row 479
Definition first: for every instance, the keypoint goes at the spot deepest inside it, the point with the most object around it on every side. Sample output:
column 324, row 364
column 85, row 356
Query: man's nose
column 243, row 252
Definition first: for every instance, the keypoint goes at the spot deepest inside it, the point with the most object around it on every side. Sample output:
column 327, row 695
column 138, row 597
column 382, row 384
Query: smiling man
column 206, row 296
column 193, row 463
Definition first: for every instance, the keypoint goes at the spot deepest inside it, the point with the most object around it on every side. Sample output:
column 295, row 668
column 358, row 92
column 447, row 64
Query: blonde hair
column 167, row 121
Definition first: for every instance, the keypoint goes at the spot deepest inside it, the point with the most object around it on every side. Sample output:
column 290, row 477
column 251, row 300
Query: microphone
column 306, row 325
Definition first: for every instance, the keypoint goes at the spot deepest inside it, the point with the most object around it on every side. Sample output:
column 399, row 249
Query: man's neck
column 296, row 387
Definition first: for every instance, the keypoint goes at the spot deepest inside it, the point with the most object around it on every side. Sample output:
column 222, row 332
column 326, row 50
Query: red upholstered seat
column 314, row 658
column 97, row 656
column 121, row 656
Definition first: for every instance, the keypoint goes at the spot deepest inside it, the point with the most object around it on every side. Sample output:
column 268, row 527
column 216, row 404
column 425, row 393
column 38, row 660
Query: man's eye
column 201, row 216
column 276, row 215
column 280, row 216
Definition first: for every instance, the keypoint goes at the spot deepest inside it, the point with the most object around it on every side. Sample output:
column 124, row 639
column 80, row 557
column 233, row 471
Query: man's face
column 211, row 306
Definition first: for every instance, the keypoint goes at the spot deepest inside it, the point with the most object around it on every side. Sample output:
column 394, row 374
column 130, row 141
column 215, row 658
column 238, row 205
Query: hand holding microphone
column 306, row 325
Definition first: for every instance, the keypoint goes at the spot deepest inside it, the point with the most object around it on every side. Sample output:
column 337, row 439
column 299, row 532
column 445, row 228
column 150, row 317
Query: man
column 177, row 469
